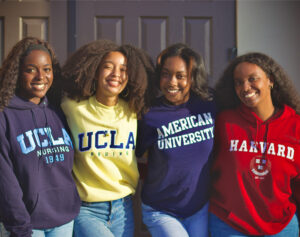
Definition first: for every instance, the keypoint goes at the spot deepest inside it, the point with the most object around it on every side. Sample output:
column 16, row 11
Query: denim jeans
column 105, row 219
column 161, row 224
column 3, row 231
column 219, row 228
column 65, row 230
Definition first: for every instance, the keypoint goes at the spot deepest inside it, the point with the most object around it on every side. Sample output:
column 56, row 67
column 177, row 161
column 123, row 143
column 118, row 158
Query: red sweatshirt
column 256, row 170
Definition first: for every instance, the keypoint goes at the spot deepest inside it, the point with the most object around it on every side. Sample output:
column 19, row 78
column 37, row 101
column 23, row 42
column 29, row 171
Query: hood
column 261, row 129
column 21, row 104
column 252, row 118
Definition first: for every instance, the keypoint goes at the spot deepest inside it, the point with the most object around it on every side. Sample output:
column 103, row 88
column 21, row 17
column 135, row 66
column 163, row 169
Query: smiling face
column 112, row 78
column 252, row 86
column 36, row 76
column 175, row 83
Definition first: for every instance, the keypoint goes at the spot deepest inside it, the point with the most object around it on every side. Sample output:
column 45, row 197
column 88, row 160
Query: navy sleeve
column 146, row 137
column 13, row 212
column 140, row 149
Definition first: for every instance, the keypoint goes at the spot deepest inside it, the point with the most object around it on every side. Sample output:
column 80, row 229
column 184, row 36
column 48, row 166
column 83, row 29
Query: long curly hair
column 283, row 91
column 140, row 73
column 11, row 69
column 81, row 69
column 195, row 67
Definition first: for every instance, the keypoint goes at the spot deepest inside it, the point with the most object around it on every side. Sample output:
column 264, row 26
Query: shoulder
column 228, row 115
column 70, row 105
column 2, row 121
column 128, row 112
column 290, row 114
column 196, row 105
column 7, row 117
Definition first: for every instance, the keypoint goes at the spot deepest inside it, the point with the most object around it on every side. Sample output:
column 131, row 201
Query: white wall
column 271, row 27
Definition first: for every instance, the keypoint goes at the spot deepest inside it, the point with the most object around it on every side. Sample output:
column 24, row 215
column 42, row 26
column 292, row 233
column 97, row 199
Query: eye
column 48, row 69
column 107, row 66
column 180, row 76
column 252, row 79
column 30, row 70
column 237, row 82
column 123, row 69
column 164, row 74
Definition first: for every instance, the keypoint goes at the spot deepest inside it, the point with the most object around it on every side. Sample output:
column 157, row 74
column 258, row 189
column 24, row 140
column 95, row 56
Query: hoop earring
column 125, row 92
column 93, row 87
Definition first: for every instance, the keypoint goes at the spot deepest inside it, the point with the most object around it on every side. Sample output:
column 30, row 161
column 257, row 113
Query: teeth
column 114, row 83
column 39, row 86
column 172, row 91
column 250, row 95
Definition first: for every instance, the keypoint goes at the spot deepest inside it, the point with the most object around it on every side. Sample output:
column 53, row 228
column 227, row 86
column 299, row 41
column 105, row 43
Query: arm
column 13, row 212
column 143, row 165
column 141, row 149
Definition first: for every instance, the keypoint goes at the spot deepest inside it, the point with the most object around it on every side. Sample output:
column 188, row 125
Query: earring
column 125, row 92
column 93, row 87
column 271, row 86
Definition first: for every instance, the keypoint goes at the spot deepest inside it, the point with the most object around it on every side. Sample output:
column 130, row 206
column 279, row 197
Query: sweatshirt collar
column 252, row 117
column 18, row 103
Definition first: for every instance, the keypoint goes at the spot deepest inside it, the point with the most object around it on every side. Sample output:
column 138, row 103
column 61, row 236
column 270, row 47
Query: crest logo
column 260, row 166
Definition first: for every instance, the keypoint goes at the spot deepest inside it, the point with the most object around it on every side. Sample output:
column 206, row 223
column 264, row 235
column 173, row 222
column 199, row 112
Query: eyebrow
column 34, row 65
column 113, row 63
column 251, row 75
column 165, row 69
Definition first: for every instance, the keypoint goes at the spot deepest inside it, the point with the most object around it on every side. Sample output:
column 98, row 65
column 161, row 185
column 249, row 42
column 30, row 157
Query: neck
column 108, row 101
column 265, row 113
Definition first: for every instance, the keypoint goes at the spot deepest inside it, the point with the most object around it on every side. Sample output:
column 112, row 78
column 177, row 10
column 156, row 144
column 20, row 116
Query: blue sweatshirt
column 179, row 140
column 36, row 158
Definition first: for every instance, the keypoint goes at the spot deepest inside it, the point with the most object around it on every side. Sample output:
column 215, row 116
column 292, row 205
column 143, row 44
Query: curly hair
column 140, row 71
column 82, row 67
column 195, row 67
column 11, row 69
column 283, row 91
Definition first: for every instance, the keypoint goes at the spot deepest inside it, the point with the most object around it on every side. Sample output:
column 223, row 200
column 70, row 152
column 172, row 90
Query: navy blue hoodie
column 36, row 158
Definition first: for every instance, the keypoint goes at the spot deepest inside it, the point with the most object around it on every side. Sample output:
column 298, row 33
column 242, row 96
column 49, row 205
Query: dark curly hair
column 11, row 69
column 140, row 73
column 195, row 67
column 81, row 69
column 283, row 91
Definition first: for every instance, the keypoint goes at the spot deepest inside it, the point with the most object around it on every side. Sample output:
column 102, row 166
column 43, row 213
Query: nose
column 41, row 74
column 246, row 86
column 116, row 72
column 173, row 80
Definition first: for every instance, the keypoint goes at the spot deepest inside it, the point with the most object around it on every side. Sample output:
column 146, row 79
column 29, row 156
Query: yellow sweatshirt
column 105, row 166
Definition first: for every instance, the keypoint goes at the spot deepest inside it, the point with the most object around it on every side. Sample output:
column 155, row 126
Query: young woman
column 38, row 196
column 177, row 135
column 256, row 171
column 105, row 86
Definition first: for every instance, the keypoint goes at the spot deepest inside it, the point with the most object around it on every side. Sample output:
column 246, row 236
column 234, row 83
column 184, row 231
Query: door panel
column 23, row 19
column 110, row 27
column 40, row 18
column 34, row 26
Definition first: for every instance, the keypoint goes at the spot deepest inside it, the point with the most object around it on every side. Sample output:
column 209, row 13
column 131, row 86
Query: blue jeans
column 65, row 230
column 219, row 228
column 105, row 219
column 161, row 224
column 3, row 231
